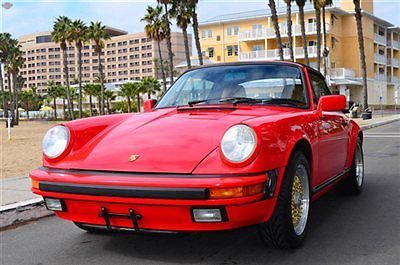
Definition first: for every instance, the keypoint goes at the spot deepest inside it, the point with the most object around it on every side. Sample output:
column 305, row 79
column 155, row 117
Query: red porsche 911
column 228, row 146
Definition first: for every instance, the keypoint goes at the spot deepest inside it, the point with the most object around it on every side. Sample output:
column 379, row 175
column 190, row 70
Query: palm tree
column 15, row 63
column 155, row 30
column 274, row 18
column 324, row 4
column 98, row 34
column 4, row 44
column 357, row 9
column 317, row 8
column 168, row 37
column 195, row 25
column 129, row 90
column 90, row 91
column 181, row 12
column 78, row 34
column 53, row 92
column 150, row 85
column 110, row 96
column 60, row 35
column 301, row 4
column 26, row 97
column 289, row 27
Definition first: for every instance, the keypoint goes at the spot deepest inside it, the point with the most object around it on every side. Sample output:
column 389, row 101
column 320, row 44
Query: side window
column 319, row 86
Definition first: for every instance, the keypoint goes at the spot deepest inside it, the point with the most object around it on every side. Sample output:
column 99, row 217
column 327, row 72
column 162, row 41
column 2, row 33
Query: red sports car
column 228, row 146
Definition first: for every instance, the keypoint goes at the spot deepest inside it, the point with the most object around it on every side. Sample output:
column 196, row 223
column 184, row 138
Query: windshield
column 246, row 84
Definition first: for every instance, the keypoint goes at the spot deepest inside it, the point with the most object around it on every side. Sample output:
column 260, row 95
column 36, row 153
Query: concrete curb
column 29, row 210
column 377, row 124
column 21, row 212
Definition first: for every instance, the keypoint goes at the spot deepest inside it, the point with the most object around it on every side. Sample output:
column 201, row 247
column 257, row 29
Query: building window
column 333, row 40
column 218, row 38
column 257, row 28
column 210, row 52
column 235, row 30
column 230, row 50
column 236, row 50
column 203, row 34
column 333, row 20
column 210, row 33
column 229, row 31
column 312, row 43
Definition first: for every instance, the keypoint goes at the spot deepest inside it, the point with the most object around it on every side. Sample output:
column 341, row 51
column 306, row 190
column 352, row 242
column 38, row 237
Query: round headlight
column 238, row 143
column 55, row 141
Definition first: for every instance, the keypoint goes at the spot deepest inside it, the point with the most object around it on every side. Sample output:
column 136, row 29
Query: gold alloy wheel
column 300, row 199
column 297, row 192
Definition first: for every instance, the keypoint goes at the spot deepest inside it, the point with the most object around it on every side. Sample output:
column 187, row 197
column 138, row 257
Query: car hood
column 163, row 141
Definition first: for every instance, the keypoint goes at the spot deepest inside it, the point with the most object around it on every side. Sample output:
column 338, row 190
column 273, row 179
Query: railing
column 379, row 58
column 393, row 79
column 311, row 50
column 252, row 34
column 253, row 55
column 379, row 38
column 274, row 54
column 393, row 62
column 380, row 77
column 394, row 44
column 342, row 73
column 311, row 28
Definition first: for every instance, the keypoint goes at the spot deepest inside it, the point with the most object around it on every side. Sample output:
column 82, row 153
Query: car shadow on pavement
column 342, row 229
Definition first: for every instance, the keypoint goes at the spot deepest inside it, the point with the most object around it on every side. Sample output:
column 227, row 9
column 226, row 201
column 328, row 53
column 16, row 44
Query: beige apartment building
column 250, row 36
column 125, row 57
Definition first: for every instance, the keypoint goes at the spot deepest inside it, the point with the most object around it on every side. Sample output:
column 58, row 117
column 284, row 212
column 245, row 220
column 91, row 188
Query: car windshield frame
column 251, row 102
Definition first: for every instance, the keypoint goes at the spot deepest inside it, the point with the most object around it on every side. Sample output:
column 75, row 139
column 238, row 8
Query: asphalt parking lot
column 343, row 230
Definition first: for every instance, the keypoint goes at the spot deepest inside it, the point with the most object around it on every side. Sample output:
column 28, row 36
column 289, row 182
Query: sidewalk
column 16, row 197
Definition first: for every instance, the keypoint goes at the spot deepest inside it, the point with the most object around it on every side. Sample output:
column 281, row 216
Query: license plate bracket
column 132, row 215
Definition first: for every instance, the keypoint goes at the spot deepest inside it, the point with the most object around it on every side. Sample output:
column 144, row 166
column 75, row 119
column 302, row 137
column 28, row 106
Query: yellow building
column 250, row 36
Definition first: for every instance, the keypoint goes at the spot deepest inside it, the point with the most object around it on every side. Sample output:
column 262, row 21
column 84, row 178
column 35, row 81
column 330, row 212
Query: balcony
column 380, row 77
column 311, row 50
column 394, row 44
column 394, row 62
column 380, row 39
column 380, row 58
column 252, row 35
column 342, row 73
column 311, row 28
column 253, row 55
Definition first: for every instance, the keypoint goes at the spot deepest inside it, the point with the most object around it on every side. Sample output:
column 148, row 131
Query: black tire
column 351, row 185
column 278, row 231
column 92, row 230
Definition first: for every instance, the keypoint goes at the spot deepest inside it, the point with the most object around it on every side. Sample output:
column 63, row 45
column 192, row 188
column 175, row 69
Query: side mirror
column 332, row 103
column 149, row 104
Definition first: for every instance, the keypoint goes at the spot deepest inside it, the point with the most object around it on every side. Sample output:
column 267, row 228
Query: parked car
column 228, row 146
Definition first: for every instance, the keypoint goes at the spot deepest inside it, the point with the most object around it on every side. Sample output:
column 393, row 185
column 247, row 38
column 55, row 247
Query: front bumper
column 164, row 202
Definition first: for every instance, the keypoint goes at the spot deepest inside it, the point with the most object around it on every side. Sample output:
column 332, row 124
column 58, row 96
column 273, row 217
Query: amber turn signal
column 236, row 192
column 35, row 184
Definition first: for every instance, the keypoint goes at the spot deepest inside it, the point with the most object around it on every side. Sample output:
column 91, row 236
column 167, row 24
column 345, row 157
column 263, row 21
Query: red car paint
column 179, row 148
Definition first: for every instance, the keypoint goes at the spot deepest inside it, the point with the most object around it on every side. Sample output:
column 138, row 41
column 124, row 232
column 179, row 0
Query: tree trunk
column 303, row 32
column 101, row 106
column 197, row 36
column 274, row 18
column 55, row 108
column 138, row 101
column 169, row 45
column 162, row 66
column 108, row 106
column 15, row 91
column 12, row 104
column 80, row 80
column 91, row 105
column 64, row 109
column 187, row 51
column 357, row 9
column 318, row 18
column 27, row 109
column 149, row 95
column 129, row 103
column 289, row 28
column 3, row 96
column 66, row 73
column 324, row 36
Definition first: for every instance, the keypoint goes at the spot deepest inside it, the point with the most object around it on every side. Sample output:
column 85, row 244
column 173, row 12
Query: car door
column 332, row 134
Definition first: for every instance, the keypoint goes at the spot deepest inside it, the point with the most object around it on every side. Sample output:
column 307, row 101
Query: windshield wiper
column 194, row 102
column 236, row 100
column 287, row 101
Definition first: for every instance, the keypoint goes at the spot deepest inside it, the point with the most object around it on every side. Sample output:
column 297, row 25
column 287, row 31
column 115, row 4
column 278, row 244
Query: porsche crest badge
column 133, row 158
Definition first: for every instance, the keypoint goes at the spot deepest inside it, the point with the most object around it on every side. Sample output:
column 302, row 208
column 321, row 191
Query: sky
column 30, row 16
